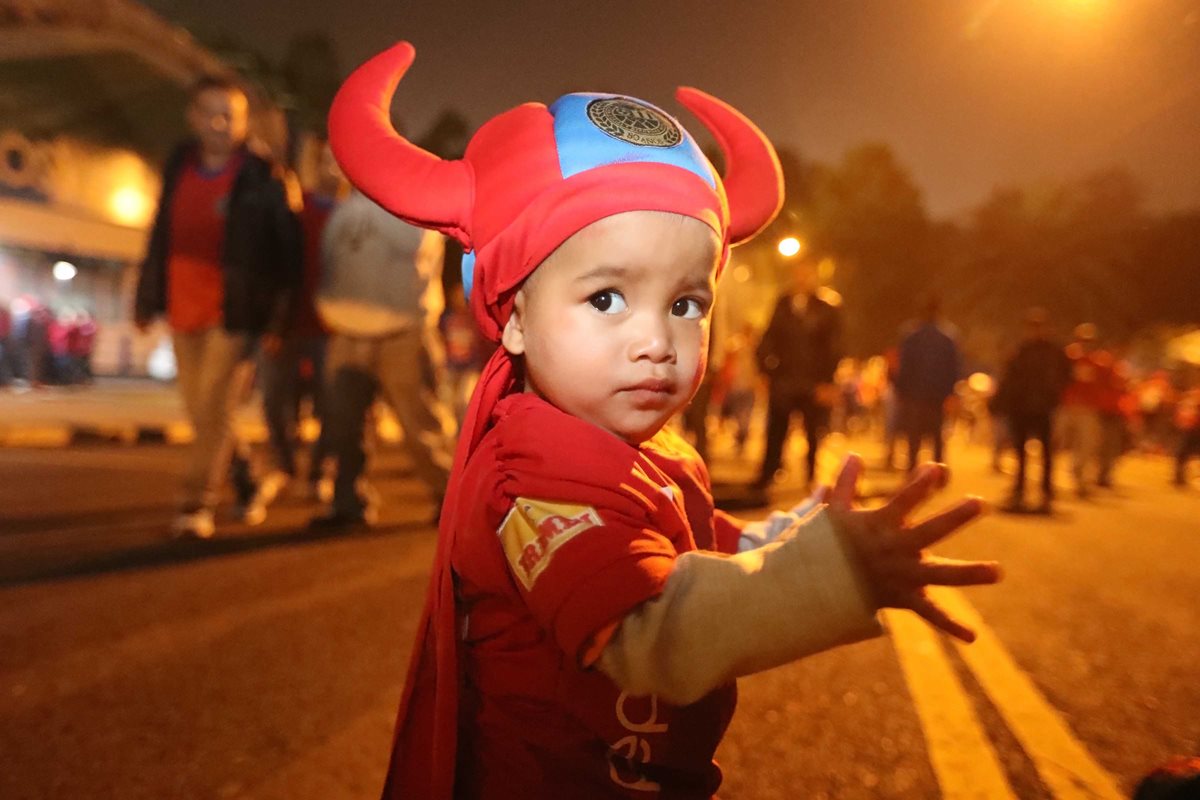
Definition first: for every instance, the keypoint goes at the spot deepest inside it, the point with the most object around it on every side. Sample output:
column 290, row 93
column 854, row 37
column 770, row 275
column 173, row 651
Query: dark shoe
column 1015, row 505
column 1045, row 508
column 335, row 523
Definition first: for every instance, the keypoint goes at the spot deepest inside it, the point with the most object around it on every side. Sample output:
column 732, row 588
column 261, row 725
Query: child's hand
column 892, row 552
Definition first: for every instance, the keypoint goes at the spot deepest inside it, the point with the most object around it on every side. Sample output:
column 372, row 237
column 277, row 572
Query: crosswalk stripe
column 1063, row 762
column 963, row 759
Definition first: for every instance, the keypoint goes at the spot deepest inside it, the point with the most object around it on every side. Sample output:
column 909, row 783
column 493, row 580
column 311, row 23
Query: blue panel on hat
column 468, row 273
column 595, row 130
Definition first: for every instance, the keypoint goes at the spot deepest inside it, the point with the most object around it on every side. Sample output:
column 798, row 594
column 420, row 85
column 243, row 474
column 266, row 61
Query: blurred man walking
column 1028, row 395
column 380, row 296
column 930, row 366
column 222, row 264
column 799, row 353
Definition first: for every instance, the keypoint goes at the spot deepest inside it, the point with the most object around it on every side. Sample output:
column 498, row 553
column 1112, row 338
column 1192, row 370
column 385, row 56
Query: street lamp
column 64, row 271
column 789, row 246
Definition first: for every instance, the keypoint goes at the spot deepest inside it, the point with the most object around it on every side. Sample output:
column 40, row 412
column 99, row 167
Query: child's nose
column 652, row 340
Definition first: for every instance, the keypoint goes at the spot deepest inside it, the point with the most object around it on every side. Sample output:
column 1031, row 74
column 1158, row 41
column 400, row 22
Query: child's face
column 614, row 324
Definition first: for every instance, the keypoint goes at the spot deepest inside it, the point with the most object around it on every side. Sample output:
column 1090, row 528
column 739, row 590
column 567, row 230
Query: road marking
column 963, row 759
column 1063, row 762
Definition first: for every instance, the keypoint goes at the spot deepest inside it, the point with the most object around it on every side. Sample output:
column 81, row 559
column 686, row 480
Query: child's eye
column 688, row 308
column 608, row 301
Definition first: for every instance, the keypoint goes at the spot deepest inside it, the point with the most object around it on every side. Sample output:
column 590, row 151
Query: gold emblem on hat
column 633, row 122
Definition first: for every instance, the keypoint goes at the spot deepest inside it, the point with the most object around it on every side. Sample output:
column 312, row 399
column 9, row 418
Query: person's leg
column 314, row 350
column 910, row 428
column 189, row 352
column 278, row 378
column 816, row 419
column 352, row 389
column 1020, row 427
column 779, row 412
column 1189, row 446
column 1089, row 434
column 936, row 428
column 419, row 413
column 225, row 373
column 1044, row 431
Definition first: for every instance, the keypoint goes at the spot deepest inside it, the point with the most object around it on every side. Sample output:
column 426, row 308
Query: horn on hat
column 753, row 178
column 412, row 183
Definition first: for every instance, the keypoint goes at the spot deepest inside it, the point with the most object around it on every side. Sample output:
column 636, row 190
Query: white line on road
column 961, row 755
column 1063, row 762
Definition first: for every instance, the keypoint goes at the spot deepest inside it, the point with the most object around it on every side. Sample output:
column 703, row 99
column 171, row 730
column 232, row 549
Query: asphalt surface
column 267, row 663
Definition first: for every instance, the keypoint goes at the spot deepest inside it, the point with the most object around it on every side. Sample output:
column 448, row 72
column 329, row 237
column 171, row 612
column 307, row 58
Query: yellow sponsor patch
column 534, row 529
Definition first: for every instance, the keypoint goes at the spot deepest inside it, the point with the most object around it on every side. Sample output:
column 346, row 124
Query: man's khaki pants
column 214, row 373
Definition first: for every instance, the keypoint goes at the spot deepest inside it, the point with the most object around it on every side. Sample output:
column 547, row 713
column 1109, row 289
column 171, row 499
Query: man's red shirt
column 195, row 279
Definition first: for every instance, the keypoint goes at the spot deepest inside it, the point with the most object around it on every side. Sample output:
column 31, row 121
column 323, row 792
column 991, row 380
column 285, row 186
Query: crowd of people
column 312, row 293
column 1078, row 397
column 42, row 346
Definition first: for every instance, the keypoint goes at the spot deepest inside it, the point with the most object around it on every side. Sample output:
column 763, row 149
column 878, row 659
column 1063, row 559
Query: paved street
column 267, row 663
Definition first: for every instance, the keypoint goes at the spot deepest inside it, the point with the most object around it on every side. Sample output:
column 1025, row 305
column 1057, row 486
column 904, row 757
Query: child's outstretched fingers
column 938, row 571
column 932, row 613
column 845, row 489
column 941, row 525
column 926, row 480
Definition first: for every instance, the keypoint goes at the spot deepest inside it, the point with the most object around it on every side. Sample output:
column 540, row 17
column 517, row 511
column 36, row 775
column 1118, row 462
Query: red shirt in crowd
column 195, row 280
column 1091, row 378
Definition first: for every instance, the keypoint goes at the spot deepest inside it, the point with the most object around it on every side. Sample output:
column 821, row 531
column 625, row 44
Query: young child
column 589, row 610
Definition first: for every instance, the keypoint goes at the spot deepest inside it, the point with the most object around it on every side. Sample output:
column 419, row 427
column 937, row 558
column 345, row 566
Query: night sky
column 969, row 93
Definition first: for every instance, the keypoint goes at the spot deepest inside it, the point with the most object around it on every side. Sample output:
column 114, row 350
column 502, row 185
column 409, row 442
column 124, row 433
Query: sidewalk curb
column 65, row 435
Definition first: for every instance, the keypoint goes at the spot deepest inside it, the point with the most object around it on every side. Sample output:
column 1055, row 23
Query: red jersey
column 568, row 529
column 195, row 280
column 1091, row 378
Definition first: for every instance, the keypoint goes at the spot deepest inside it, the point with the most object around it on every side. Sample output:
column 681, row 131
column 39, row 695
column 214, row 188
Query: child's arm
column 722, row 617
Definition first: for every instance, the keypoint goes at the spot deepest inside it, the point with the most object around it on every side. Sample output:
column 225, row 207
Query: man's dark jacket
column 800, row 350
column 930, row 365
column 1033, row 381
column 261, row 257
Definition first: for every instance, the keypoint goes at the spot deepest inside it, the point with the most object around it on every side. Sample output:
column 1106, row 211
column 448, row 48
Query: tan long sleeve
column 721, row 617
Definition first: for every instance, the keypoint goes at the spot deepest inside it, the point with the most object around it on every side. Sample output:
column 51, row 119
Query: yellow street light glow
column 789, row 247
column 130, row 206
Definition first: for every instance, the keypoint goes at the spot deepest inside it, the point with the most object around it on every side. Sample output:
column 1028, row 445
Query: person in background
column 1029, row 392
column 6, row 326
column 930, row 366
column 1187, row 425
column 222, row 266
column 739, row 376
column 798, row 354
column 464, row 348
column 1081, row 404
column 301, row 355
column 380, row 296
column 1115, row 414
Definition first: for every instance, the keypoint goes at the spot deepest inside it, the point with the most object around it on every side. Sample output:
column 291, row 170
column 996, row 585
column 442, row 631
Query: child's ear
column 513, row 337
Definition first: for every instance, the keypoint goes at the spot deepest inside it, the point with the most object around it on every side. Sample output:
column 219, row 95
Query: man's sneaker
column 251, row 512
column 196, row 524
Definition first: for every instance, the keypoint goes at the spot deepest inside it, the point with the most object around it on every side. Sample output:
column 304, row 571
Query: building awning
column 55, row 229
